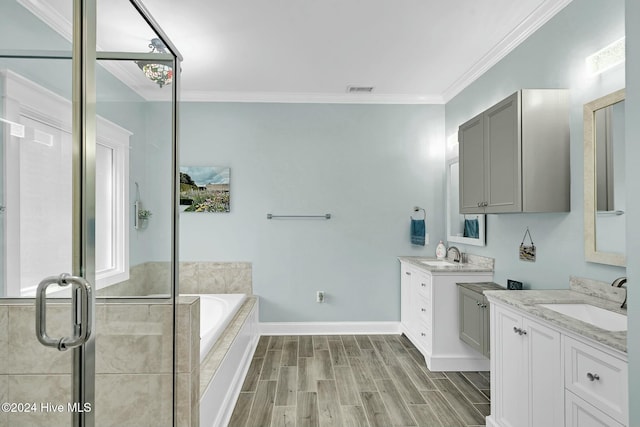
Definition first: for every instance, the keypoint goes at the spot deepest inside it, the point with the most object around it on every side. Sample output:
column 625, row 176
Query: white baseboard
column 491, row 422
column 329, row 328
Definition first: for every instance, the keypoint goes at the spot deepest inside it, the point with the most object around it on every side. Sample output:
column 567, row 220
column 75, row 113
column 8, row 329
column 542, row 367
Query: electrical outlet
column 319, row 296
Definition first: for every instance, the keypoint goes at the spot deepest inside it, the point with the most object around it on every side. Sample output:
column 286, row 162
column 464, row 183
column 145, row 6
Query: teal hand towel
column 418, row 230
column 471, row 228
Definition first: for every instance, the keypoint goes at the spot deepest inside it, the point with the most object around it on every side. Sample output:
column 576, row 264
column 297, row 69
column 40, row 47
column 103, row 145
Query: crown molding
column 533, row 22
column 307, row 98
column 50, row 16
column 530, row 25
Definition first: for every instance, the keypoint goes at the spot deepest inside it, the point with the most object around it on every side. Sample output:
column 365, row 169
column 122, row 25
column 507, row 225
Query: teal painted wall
column 633, row 205
column 367, row 165
column 554, row 56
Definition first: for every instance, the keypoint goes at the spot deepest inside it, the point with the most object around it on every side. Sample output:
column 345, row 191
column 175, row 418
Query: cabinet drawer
column 424, row 285
column 423, row 309
column 424, row 335
column 598, row 378
column 581, row 414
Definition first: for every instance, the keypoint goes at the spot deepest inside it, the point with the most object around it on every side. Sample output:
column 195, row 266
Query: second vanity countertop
column 528, row 300
column 476, row 264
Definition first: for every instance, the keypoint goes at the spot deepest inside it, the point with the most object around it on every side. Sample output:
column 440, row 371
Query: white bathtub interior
column 216, row 311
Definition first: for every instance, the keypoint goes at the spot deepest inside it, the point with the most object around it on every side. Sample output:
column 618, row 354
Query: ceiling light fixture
column 155, row 71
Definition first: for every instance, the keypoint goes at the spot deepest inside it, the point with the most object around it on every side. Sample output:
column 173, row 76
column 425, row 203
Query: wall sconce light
column 159, row 73
column 606, row 58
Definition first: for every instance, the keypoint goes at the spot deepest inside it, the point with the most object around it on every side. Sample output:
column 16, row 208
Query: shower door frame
column 84, row 136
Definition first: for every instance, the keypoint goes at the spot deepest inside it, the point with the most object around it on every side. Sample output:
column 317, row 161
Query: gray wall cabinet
column 514, row 157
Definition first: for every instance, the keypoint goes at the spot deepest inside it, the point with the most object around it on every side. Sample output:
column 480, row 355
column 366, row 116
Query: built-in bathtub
column 228, row 337
column 216, row 311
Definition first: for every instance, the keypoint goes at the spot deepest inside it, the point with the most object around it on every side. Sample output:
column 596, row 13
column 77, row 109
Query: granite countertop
column 480, row 287
column 476, row 264
column 527, row 301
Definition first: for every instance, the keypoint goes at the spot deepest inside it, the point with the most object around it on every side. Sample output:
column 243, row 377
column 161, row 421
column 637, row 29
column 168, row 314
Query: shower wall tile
column 40, row 389
column 135, row 338
column 4, row 338
column 188, row 277
column 224, row 278
column 4, row 397
column 27, row 355
column 188, row 334
column 143, row 400
column 188, row 402
column 158, row 278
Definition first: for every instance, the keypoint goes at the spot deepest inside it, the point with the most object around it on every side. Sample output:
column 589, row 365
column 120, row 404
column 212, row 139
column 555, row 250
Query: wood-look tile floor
column 361, row 380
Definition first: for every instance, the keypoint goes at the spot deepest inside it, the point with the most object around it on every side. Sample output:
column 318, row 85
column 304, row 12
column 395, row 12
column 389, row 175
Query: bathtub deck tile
column 381, row 385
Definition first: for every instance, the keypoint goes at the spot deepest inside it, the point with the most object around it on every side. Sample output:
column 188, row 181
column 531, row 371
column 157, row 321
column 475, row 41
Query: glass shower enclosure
column 88, row 213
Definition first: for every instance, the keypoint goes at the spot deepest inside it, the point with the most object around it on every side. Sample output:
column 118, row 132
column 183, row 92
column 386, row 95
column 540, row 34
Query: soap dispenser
column 441, row 250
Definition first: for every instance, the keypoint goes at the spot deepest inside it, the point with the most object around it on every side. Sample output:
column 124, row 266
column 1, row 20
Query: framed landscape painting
column 204, row 188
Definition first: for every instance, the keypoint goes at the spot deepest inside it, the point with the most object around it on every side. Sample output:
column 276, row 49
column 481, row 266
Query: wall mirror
column 604, row 179
column 466, row 229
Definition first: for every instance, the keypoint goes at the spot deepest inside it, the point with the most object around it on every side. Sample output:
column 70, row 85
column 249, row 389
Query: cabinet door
column 471, row 318
column 487, row 328
column 546, row 406
column 503, row 182
column 472, row 164
column 511, row 378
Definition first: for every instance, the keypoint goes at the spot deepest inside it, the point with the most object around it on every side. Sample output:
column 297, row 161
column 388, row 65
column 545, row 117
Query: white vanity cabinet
column 542, row 375
column 514, row 157
column 526, row 369
column 429, row 317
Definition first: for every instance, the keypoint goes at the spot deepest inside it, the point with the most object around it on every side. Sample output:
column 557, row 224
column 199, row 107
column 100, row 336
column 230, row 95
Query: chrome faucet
column 618, row 284
column 456, row 255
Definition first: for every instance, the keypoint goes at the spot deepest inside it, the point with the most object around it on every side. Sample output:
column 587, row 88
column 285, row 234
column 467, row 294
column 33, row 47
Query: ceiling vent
column 359, row 89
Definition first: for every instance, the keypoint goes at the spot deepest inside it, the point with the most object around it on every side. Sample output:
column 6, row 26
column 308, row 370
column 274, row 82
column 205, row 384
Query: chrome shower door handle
column 81, row 317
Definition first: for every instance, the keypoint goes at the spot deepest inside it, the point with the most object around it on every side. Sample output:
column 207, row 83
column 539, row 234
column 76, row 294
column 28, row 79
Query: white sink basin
column 438, row 263
column 603, row 319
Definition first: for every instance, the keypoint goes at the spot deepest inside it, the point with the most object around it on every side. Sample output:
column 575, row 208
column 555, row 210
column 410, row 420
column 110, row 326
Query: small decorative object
column 204, row 188
column 140, row 216
column 527, row 252
column 441, row 250
column 514, row 285
column 144, row 214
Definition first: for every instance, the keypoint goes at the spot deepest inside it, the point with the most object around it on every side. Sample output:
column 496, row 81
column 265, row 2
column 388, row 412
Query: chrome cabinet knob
column 423, row 285
column 593, row 377
column 423, row 334
column 423, row 310
column 408, row 273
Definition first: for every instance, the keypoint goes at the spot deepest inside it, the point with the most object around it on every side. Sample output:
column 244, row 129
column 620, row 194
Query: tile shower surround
column 152, row 278
column 133, row 350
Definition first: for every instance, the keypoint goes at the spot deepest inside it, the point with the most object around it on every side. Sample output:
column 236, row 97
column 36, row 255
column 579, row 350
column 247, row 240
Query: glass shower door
column 46, row 317
column 86, row 148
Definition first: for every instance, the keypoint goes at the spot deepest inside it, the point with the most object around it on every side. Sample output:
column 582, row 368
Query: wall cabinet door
column 471, row 142
column 502, row 179
column 514, row 156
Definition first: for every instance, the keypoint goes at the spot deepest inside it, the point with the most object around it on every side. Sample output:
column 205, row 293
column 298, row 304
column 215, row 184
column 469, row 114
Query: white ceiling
column 411, row 51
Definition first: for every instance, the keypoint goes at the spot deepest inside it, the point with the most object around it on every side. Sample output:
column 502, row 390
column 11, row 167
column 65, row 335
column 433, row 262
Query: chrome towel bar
column 272, row 216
